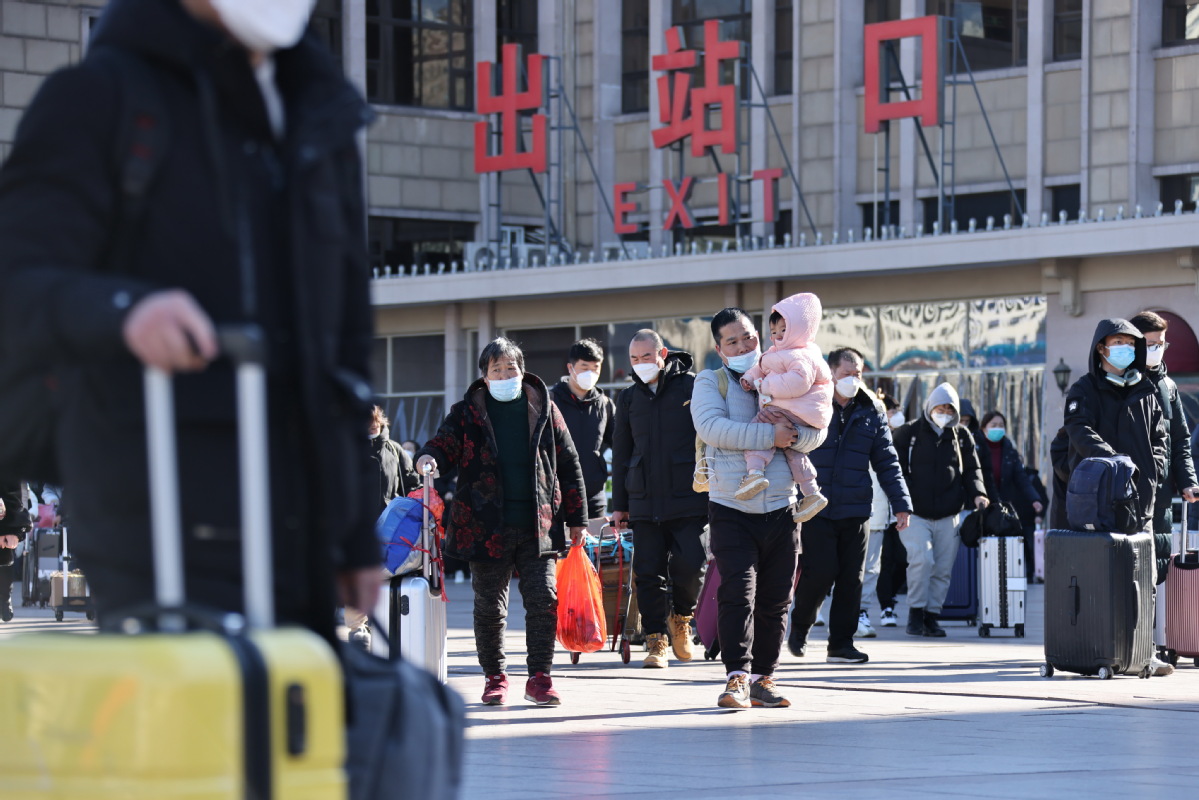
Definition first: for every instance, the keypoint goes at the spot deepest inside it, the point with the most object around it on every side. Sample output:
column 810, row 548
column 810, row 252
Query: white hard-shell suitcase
column 1002, row 584
column 414, row 605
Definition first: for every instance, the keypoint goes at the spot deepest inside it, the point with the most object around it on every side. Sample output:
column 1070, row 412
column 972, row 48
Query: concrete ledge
column 929, row 253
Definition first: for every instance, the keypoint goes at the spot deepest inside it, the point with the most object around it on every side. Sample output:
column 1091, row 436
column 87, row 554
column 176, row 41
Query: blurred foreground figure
column 199, row 167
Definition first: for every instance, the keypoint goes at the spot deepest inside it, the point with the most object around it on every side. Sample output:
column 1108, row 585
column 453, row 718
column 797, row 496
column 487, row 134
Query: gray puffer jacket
column 725, row 425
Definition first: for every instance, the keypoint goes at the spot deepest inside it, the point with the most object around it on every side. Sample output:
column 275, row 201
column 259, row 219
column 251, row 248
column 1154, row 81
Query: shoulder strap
column 722, row 382
column 142, row 140
column 1164, row 392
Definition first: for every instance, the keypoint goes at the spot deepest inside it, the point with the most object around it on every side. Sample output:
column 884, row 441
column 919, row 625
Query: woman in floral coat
column 517, row 469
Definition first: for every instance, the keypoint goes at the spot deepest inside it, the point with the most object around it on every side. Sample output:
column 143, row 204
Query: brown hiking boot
column 655, row 643
column 680, row 637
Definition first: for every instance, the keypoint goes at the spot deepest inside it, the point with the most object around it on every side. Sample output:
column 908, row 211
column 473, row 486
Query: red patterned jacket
column 466, row 440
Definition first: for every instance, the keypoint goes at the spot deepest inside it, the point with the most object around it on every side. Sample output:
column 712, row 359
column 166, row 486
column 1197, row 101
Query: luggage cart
column 616, row 577
column 43, row 553
column 68, row 588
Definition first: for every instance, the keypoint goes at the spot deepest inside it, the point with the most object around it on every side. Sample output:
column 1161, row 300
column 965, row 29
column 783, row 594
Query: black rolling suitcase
column 1098, row 603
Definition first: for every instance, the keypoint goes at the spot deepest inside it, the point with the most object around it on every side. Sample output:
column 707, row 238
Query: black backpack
column 1102, row 496
column 28, row 424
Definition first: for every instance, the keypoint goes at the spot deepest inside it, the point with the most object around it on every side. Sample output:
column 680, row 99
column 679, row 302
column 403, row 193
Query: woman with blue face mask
column 1010, row 481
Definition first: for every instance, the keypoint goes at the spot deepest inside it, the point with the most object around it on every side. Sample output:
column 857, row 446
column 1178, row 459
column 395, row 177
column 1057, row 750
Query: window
column 419, row 53
column 1067, row 30
column 736, row 21
column 977, row 207
column 634, row 56
column 409, row 375
column 399, row 243
column 326, row 23
column 784, row 29
column 1180, row 187
column 1180, row 21
column 994, row 32
column 887, row 215
column 1065, row 198
column 881, row 11
column 516, row 23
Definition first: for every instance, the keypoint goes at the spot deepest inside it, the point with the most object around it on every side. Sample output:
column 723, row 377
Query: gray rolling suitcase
column 414, row 605
column 1002, row 584
column 1098, row 603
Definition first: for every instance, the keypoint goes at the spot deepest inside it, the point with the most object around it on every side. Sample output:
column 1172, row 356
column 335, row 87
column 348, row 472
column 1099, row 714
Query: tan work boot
column 655, row 643
column 680, row 637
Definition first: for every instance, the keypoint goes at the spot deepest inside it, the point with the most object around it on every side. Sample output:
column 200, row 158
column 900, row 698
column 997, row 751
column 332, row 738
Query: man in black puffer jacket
column 834, row 541
column 589, row 414
column 1114, row 409
column 653, row 461
column 1179, row 476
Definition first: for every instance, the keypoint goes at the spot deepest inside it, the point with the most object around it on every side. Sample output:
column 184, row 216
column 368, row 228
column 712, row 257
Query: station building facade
column 1067, row 148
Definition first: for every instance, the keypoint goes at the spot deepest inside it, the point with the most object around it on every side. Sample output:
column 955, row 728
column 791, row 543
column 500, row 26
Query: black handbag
column 997, row 519
column 406, row 730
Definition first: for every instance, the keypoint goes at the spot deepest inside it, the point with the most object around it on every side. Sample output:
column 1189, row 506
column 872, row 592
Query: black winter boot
column 915, row 622
column 931, row 628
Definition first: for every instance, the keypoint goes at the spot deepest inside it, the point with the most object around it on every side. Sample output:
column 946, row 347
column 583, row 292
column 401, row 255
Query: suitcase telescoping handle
column 245, row 347
column 428, row 533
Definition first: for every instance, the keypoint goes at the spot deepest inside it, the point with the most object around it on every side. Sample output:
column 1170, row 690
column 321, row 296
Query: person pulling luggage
column 517, row 470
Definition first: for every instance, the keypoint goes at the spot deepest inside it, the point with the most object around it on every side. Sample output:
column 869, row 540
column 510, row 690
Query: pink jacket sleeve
column 795, row 376
column 755, row 372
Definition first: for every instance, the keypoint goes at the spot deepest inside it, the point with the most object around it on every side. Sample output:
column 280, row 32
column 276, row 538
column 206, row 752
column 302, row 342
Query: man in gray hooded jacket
column 941, row 468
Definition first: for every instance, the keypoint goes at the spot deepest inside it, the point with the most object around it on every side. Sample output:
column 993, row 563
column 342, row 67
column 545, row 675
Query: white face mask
column 647, row 372
column 897, row 419
column 942, row 420
column 264, row 26
column 587, row 380
column 506, row 390
column 1154, row 355
column 848, row 386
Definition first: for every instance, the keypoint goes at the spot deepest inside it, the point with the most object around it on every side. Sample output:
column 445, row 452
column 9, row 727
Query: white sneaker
column 889, row 620
column 1159, row 668
column 865, row 631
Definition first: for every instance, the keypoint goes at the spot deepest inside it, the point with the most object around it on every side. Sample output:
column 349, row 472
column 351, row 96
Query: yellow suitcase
column 203, row 707
column 163, row 716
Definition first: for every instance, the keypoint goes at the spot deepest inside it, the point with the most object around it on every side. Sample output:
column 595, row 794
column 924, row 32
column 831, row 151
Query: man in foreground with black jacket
column 253, row 214
column 653, row 460
column 588, row 413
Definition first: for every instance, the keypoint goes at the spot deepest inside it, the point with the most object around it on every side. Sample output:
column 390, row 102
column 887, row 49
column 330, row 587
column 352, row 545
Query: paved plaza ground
column 958, row 717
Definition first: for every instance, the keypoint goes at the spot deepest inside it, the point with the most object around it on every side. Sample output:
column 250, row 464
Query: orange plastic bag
column 581, row 624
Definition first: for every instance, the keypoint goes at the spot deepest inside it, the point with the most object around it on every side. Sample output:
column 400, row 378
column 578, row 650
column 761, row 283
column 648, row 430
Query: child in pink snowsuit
column 792, row 377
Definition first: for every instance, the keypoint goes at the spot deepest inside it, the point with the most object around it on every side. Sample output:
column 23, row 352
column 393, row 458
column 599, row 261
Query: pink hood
column 802, row 312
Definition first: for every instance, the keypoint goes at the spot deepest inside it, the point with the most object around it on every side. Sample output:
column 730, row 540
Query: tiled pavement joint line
column 1037, row 699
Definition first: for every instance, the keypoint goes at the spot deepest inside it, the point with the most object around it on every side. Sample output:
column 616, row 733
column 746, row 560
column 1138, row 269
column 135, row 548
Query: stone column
column 1040, row 51
column 847, row 76
column 484, row 16
column 455, row 354
column 761, row 54
column 659, row 21
column 606, row 75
